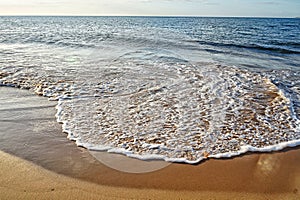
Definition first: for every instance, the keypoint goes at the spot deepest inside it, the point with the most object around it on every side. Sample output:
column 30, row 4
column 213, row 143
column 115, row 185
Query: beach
column 38, row 161
column 202, row 89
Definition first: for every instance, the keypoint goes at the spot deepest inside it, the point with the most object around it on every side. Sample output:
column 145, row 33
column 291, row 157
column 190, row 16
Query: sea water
column 180, row 89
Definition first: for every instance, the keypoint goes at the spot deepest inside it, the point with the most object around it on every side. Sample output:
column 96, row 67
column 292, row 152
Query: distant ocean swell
column 293, row 47
column 283, row 47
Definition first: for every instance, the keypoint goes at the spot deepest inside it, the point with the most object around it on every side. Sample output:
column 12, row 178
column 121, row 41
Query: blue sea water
column 175, row 88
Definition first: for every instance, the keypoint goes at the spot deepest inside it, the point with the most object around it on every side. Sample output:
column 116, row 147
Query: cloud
column 269, row 3
column 31, row 2
column 150, row 1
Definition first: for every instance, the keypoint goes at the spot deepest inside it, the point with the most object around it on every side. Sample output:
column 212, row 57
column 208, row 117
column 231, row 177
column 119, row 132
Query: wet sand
column 40, row 158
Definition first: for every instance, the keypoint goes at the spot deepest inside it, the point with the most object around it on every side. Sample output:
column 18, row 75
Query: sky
column 253, row 8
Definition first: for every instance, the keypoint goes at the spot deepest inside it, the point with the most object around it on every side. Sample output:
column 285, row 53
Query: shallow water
column 178, row 89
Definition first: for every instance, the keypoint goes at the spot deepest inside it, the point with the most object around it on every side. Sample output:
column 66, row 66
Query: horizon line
column 91, row 15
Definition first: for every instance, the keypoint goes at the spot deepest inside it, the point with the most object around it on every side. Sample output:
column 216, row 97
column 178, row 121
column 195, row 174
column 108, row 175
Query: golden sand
column 20, row 179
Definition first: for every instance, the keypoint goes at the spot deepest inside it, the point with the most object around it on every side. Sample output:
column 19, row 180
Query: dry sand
column 23, row 180
column 41, row 163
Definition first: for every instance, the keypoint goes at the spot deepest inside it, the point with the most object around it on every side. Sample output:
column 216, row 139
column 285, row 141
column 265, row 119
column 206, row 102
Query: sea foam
column 178, row 113
column 205, row 112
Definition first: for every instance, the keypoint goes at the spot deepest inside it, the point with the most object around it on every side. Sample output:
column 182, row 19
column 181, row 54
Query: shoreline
column 28, row 121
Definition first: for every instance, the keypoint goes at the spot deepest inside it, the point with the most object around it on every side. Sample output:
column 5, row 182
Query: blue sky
column 261, row 8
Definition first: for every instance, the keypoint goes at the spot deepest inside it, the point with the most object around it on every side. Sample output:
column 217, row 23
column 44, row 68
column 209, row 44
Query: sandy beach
column 38, row 161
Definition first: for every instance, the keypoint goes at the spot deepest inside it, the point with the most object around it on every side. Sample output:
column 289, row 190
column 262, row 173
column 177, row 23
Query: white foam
column 182, row 113
column 245, row 149
column 110, row 149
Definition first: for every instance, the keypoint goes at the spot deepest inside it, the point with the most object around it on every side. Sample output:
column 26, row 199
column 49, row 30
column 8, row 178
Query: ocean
column 179, row 89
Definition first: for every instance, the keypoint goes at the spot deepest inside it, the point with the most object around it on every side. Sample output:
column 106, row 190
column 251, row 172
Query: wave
column 178, row 113
column 189, row 120
column 270, row 48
